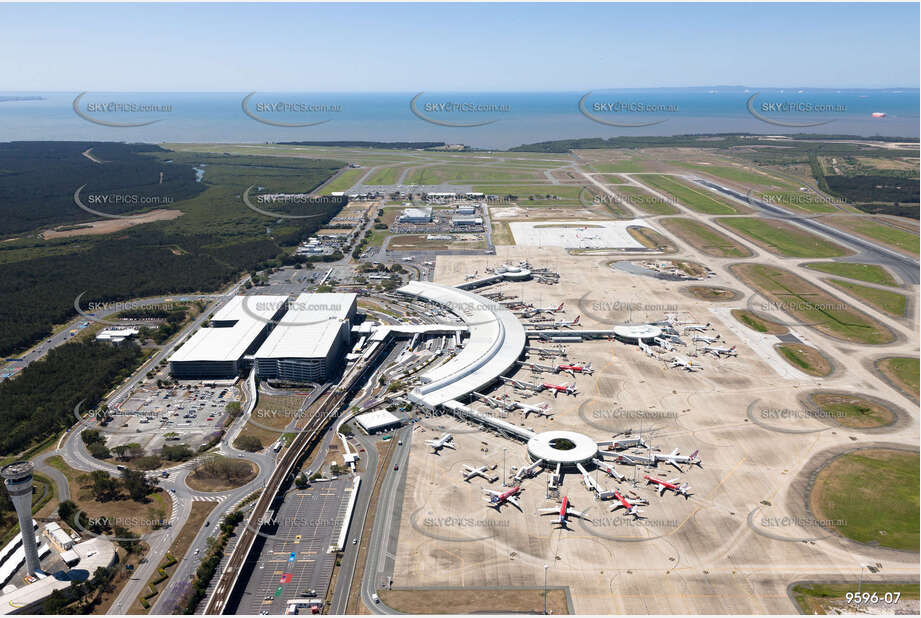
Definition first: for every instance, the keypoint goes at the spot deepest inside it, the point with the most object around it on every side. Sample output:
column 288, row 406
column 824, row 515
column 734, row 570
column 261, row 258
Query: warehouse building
column 237, row 329
column 416, row 215
column 310, row 341
column 378, row 421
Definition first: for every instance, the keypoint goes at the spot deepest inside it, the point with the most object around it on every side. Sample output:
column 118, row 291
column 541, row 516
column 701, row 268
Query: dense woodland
column 38, row 180
column 41, row 399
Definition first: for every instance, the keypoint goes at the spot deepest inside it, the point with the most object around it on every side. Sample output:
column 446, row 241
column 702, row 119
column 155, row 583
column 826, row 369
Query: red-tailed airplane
column 563, row 512
column 566, row 323
column 539, row 310
column 670, row 484
column 631, row 509
column 566, row 389
column 574, row 369
column 496, row 499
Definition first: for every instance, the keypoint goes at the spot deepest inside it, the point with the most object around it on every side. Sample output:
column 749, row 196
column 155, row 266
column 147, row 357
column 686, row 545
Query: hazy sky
column 452, row 47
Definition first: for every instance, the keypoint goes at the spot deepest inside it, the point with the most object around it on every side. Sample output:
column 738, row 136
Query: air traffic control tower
column 18, row 480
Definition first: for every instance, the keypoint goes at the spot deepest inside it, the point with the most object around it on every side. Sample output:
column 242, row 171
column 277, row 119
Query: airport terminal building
column 236, row 330
column 310, row 340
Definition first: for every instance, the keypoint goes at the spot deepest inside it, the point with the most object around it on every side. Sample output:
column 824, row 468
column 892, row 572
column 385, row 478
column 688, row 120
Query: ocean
column 494, row 120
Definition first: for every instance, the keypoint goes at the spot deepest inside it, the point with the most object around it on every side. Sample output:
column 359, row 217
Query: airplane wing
column 579, row 514
column 662, row 489
column 677, row 467
column 514, row 501
column 449, row 445
column 551, row 511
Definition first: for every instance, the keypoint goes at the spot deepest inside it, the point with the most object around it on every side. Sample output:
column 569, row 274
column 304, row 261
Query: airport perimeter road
column 385, row 532
column 906, row 267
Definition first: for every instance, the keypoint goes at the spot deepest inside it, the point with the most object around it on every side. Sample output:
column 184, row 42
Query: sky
column 454, row 47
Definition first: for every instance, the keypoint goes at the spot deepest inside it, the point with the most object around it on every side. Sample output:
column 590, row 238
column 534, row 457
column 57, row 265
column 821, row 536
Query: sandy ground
column 107, row 226
column 743, row 535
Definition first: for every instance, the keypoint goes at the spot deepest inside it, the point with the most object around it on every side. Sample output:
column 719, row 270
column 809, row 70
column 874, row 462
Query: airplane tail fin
column 576, row 321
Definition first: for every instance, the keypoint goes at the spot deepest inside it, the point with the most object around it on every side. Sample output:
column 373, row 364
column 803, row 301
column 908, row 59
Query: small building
column 466, row 221
column 378, row 421
column 59, row 539
column 116, row 334
column 416, row 215
column 466, row 210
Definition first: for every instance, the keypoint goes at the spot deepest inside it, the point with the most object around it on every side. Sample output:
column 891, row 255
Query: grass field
column 272, row 414
column 757, row 323
column 902, row 371
column 797, row 200
column 811, row 305
column 886, row 301
column 569, row 193
column 692, row 197
column 870, row 273
column 872, row 495
column 853, row 411
column 468, row 174
column 736, row 174
column 705, row 238
column 805, row 358
column 831, row 598
column 712, row 293
column 783, row 239
column 385, row 176
column 650, row 239
column 645, row 201
column 890, row 235
column 343, row 182
column 625, row 166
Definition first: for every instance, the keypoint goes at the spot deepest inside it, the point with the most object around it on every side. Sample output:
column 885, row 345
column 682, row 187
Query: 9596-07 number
column 871, row 598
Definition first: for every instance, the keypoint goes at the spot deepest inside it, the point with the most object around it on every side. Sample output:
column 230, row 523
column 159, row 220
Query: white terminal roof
column 379, row 418
column 309, row 328
column 637, row 331
column 229, row 343
column 496, row 341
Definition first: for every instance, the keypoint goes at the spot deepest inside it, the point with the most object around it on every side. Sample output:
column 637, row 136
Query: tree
column 248, row 443
column 104, row 486
column 136, row 484
column 66, row 510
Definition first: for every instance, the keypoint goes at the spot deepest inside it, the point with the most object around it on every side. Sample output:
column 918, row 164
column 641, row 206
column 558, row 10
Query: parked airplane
column 703, row 339
column 538, row 367
column 674, row 458
column 537, row 310
column 574, row 369
column 496, row 499
column 496, row 403
column 609, row 469
column 686, row 363
column 620, row 444
column 630, row 508
column 563, row 513
column 472, row 275
column 546, row 351
column 541, row 409
column 446, row 440
column 718, row 351
column 567, row 323
column 635, row 459
column 670, row 484
column 470, row 472
column 566, row 389
column 521, row 385
column 696, row 327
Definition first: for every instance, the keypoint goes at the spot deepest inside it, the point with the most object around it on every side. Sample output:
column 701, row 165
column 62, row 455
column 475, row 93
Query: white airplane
column 472, row 275
column 664, row 343
column 524, row 386
column 537, row 310
column 546, row 351
column 718, row 351
column 446, row 440
column 609, row 469
column 538, row 367
column 470, row 472
column 703, row 339
column 496, row 403
column 635, row 459
column 629, row 507
column 497, row 498
column 674, row 458
column 699, row 328
column 620, row 444
column 567, row 323
column 686, row 363
column 564, row 512
column 671, row 484
column 541, row 409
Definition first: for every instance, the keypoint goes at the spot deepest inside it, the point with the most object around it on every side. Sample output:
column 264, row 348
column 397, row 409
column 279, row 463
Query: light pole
column 546, row 566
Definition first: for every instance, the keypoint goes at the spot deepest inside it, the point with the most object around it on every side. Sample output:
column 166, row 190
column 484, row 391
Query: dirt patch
column 473, row 600
column 108, row 226
column 712, row 293
column 651, row 239
column 212, row 476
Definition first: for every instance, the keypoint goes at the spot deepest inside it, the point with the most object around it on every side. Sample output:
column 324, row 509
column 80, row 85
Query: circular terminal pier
column 562, row 447
column 634, row 333
column 513, row 273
